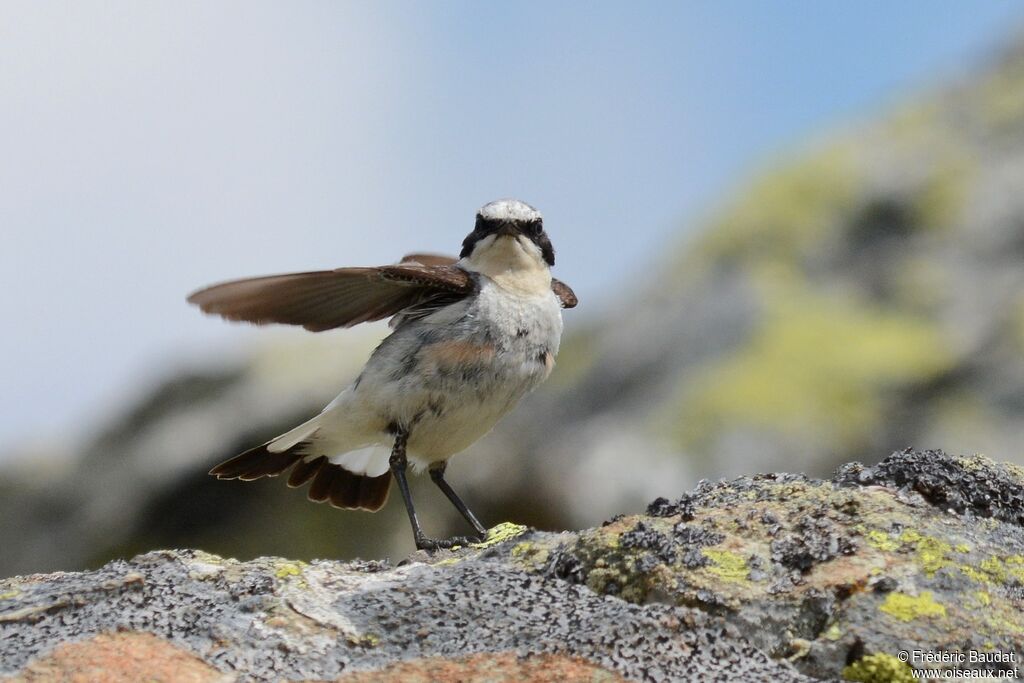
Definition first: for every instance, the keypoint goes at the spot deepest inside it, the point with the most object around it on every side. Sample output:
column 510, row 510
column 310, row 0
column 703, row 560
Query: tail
column 331, row 482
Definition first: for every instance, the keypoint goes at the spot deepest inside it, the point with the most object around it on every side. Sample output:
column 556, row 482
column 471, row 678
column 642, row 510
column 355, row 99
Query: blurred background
column 796, row 230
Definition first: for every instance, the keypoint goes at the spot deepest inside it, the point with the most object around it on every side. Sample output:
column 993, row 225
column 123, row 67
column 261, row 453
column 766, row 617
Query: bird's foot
column 429, row 544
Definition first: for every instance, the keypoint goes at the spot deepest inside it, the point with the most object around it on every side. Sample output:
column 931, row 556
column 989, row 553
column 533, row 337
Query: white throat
column 513, row 263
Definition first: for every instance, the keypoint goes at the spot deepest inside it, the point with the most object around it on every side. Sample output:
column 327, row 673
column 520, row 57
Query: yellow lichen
column 920, row 284
column 529, row 553
column 881, row 541
column 915, row 120
column 9, row 594
column 447, row 562
column 499, row 533
column 785, row 212
column 1015, row 567
column 288, row 569
column 727, row 565
column 908, row 607
column 932, row 553
column 520, row 549
column 878, row 668
column 364, row 640
column 996, row 570
column 816, row 363
column 941, row 199
column 1002, row 99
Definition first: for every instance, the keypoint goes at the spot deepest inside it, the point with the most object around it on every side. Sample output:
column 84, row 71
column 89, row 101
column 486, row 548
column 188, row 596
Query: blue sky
column 149, row 148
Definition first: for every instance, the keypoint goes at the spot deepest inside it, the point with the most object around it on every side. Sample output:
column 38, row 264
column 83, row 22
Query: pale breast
column 453, row 374
column 518, row 321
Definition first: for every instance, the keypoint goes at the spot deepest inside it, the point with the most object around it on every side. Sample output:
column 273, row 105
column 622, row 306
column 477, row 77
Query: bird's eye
column 534, row 228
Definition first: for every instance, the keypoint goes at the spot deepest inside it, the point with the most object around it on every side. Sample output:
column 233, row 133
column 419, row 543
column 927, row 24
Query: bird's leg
column 399, row 462
column 437, row 475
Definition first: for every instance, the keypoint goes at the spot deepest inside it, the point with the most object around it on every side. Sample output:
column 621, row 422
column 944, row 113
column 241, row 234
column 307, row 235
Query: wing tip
column 201, row 298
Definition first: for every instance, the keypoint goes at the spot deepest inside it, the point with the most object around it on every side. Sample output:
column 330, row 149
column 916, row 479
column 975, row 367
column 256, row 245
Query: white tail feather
column 371, row 461
column 295, row 436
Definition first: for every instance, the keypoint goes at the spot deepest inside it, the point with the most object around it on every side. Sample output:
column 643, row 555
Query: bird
column 470, row 336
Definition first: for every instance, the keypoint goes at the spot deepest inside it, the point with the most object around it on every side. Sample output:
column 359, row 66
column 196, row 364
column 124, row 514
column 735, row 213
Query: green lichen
column 908, row 607
column 921, row 284
column 727, row 565
column 833, row 633
column 878, row 668
column 816, row 363
column 786, row 212
column 1002, row 98
column 939, row 201
column 916, row 120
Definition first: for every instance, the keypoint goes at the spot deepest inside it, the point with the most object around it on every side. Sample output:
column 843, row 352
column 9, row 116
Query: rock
column 763, row 578
column 270, row 619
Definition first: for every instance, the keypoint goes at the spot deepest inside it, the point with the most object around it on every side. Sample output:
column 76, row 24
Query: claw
column 429, row 544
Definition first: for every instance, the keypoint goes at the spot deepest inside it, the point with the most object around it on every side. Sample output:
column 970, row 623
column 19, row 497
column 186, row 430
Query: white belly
column 448, row 378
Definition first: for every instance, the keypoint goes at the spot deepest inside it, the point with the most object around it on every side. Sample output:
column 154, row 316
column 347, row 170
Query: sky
column 147, row 149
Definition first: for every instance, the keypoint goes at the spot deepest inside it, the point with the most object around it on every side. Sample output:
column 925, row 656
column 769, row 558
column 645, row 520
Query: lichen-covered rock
column 923, row 551
column 772, row 577
column 270, row 619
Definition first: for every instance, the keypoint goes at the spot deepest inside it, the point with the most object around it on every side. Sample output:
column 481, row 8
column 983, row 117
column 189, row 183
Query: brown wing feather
column 429, row 259
column 326, row 299
column 564, row 293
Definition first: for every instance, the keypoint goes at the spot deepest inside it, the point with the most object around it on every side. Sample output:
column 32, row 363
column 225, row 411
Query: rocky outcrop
column 772, row 577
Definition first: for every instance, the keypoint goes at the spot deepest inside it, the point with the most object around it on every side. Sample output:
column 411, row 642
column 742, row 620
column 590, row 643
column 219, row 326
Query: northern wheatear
column 470, row 337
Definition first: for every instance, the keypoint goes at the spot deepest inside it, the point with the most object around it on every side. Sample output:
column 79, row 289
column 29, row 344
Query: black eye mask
column 533, row 230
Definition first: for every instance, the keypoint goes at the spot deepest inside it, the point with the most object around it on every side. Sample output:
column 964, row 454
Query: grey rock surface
column 270, row 619
column 770, row 577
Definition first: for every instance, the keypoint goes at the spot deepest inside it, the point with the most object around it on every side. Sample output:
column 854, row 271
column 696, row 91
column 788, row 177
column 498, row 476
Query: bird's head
column 512, row 231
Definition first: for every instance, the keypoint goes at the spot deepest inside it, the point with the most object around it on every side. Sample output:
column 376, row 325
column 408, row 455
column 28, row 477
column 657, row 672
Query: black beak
column 508, row 228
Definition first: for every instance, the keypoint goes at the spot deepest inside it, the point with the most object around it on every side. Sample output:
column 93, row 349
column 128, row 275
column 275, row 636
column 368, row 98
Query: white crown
column 509, row 210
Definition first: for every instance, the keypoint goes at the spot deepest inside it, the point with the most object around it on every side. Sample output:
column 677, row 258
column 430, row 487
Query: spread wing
column 326, row 299
column 562, row 291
